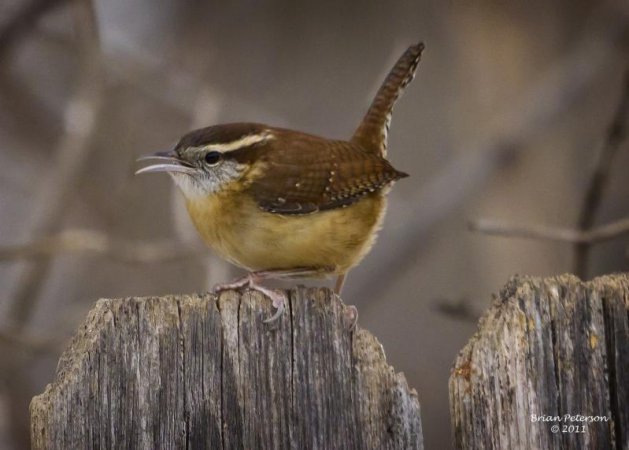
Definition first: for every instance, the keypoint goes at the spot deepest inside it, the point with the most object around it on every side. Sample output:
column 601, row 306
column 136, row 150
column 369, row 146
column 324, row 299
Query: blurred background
column 506, row 120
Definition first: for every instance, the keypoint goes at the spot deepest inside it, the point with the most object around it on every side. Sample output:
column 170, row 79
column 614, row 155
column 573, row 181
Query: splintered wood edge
column 517, row 284
column 373, row 372
column 376, row 377
column 495, row 324
column 70, row 362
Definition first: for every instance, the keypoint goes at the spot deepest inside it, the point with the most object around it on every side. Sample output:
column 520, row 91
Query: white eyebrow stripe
column 240, row 143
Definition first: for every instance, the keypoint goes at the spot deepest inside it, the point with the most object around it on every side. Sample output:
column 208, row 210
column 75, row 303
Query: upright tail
column 372, row 133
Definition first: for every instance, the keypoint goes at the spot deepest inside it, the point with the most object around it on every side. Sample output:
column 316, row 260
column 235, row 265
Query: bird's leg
column 253, row 279
column 279, row 302
column 300, row 272
column 350, row 314
column 236, row 284
column 340, row 282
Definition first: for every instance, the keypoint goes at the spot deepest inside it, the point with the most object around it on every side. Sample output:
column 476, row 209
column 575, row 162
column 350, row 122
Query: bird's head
column 204, row 161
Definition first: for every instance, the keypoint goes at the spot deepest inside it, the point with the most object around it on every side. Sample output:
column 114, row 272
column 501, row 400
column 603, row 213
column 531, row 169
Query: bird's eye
column 212, row 158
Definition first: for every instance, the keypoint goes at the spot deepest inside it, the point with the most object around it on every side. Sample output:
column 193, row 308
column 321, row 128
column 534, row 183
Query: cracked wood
column 547, row 347
column 201, row 372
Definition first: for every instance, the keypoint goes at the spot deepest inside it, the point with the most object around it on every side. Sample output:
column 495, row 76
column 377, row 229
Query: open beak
column 166, row 162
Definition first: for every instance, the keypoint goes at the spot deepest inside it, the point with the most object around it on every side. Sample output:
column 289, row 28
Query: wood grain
column 205, row 372
column 547, row 347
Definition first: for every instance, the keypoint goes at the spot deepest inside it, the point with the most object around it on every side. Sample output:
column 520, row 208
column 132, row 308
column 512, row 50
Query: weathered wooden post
column 202, row 372
column 548, row 368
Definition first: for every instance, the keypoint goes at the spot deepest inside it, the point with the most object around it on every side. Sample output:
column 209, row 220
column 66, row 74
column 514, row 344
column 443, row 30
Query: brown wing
column 372, row 132
column 304, row 174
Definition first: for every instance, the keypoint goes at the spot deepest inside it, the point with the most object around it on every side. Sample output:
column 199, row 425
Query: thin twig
column 615, row 136
column 91, row 241
column 70, row 159
column 15, row 339
column 515, row 128
column 542, row 232
column 24, row 20
column 460, row 309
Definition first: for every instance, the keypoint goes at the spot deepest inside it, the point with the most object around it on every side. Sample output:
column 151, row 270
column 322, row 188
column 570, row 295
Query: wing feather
column 308, row 174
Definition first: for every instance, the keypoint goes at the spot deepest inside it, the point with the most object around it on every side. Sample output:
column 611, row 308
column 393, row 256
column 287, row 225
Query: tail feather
column 373, row 130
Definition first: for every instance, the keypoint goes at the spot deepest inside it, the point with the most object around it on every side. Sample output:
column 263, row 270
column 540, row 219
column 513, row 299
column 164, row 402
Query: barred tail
column 372, row 132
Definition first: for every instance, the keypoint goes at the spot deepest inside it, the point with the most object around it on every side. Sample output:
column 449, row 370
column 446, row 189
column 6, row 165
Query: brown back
column 303, row 173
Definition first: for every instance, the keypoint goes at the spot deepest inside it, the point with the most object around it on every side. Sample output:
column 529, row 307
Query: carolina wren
column 286, row 204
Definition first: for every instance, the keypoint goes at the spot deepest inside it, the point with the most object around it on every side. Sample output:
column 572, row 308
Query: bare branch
column 542, row 232
column 460, row 309
column 23, row 20
column 33, row 344
column 514, row 128
column 616, row 135
column 91, row 241
column 70, row 158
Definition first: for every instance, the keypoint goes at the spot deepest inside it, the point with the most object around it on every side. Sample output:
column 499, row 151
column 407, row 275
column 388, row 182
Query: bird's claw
column 279, row 302
column 250, row 281
column 350, row 317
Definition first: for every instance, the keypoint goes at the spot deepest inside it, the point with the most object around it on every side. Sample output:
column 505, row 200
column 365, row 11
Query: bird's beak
column 170, row 162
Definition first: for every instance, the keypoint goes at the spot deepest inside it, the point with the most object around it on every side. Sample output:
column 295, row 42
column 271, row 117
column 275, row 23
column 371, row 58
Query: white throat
column 207, row 182
column 189, row 186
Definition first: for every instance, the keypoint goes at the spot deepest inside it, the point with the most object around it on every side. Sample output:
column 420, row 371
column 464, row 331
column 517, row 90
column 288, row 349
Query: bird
column 286, row 204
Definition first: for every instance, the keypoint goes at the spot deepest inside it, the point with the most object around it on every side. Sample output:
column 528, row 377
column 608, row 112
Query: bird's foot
column 234, row 285
column 252, row 281
column 279, row 303
column 350, row 317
